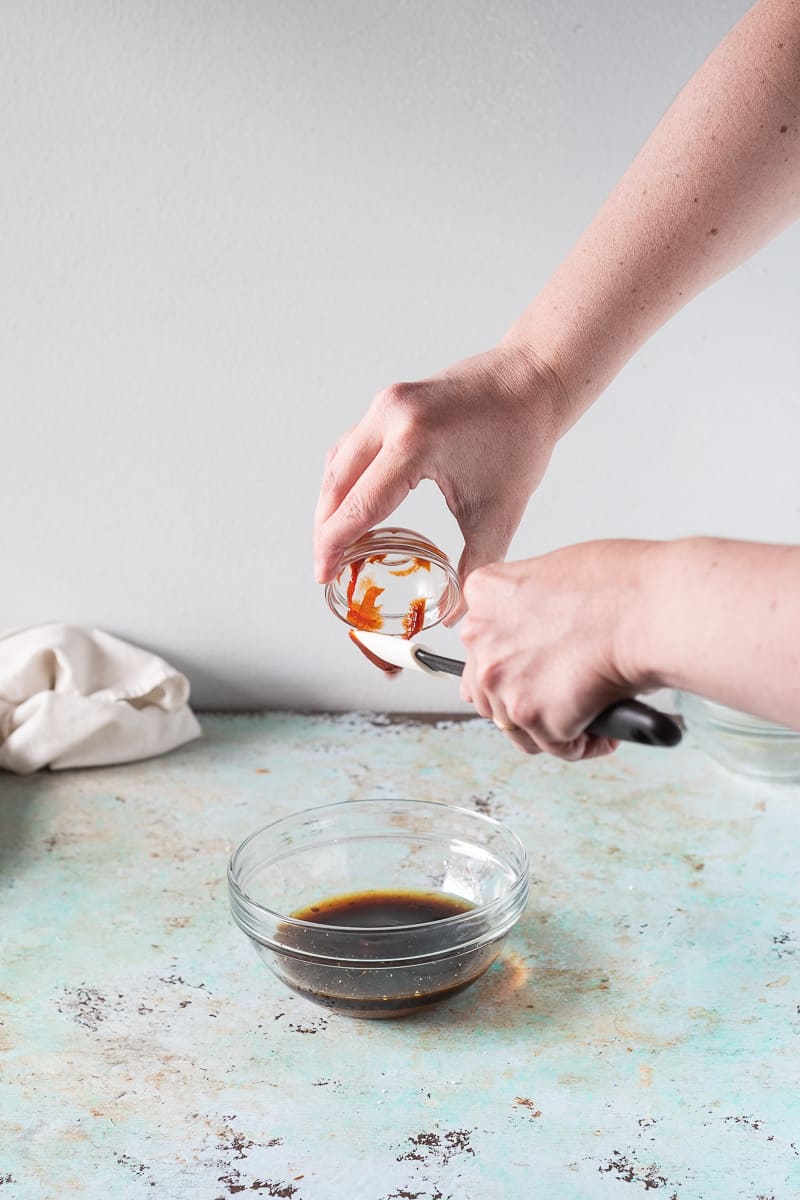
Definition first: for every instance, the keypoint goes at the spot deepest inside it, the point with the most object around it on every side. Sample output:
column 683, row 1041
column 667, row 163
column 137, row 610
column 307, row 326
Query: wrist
column 576, row 353
column 646, row 644
column 536, row 378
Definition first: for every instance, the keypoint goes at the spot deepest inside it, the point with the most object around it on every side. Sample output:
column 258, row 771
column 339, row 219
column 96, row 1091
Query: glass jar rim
column 388, row 539
column 394, row 537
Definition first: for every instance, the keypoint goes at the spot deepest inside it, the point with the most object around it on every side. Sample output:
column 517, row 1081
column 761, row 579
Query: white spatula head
column 394, row 651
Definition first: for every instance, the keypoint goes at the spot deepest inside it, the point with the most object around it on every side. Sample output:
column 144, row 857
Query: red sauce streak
column 366, row 612
column 414, row 620
column 419, row 564
column 389, row 668
column 355, row 571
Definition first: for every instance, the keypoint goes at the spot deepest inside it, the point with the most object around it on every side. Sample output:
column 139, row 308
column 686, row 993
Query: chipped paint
column 638, row 1034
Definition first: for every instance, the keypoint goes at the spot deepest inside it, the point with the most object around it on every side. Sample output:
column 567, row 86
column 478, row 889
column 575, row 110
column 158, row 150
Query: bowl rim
column 455, row 921
column 722, row 718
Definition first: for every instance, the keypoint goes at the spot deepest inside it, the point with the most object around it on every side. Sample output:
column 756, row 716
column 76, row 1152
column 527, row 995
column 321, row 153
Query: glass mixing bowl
column 403, row 855
column 394, row 581
column 741, row 742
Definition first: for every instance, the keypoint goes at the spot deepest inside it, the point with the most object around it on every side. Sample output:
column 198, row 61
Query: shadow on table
column 18, row 796
column 550, row 982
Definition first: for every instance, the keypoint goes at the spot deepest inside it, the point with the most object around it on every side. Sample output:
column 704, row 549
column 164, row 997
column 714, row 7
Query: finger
column 495, row 711
column 520, row 737
column 571, row 751
column 499, row 715
column 473, row 694
column 376, row 493
column 581, row 748
column 600, row 747
column 345, row 463
column 480, row 548
column 523, row 741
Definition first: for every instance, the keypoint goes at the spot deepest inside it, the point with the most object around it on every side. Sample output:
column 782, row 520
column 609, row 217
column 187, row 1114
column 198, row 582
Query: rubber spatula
column 627, row 720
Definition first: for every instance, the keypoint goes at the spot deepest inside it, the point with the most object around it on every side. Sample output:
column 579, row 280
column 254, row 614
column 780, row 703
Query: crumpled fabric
column 73, row 697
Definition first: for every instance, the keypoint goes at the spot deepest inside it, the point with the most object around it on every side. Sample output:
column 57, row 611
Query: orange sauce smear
column 419, row 564
column 414, row 619
column 366, row 614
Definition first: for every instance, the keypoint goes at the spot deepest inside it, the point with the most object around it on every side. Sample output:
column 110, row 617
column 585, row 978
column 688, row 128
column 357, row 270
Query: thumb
column 481, row 547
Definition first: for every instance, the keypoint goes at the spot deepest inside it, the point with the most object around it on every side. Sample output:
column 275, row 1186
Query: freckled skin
column 718, row 177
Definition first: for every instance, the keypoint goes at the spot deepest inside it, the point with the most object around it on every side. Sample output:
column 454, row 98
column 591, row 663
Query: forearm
column 719, row 177
column 722, row 619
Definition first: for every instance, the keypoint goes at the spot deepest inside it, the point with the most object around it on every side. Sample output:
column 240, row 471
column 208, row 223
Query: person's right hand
column 483, row 431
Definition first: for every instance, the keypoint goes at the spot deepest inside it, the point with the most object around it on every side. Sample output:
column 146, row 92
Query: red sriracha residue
column 366, row 613
column 389, row 668
column 414, row 619
column 355, row 570
column 419, row 564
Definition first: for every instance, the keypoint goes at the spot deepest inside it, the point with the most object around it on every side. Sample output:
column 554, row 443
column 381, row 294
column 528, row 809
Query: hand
column 483, row 430
column 552, row 641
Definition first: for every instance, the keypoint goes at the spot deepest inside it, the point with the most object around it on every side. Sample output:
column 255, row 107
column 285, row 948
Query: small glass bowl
column 740, row 742
column 395, row 581
column 381, row 845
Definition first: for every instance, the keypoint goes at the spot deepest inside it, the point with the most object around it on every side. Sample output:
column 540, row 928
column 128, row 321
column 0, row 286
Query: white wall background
column 225, row 223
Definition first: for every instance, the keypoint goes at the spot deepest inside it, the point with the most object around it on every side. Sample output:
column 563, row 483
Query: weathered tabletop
column 640, row 1033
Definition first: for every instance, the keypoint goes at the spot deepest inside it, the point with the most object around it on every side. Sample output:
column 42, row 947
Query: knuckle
column 487, row 675
column 406, row 439
column 521, row 712
column 354, row 508
column 561, row 728
column 396, row 396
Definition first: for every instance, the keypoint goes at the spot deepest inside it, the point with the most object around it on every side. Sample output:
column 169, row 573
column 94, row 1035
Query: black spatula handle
column 632, row 721
column 627, row 720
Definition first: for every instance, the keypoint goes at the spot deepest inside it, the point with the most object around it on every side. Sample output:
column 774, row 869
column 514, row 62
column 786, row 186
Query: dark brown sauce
column 353, row 927
column 382, row 910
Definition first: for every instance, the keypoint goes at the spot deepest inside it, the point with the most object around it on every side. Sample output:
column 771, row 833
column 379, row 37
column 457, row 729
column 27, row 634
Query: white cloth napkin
column 72, row 697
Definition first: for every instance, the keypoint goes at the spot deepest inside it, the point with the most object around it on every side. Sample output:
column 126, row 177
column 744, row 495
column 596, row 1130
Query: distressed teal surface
column 641, row 1032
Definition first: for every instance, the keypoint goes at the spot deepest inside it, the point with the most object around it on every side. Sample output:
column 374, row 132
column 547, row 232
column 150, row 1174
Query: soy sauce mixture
column 353, row 926
column 382, row 909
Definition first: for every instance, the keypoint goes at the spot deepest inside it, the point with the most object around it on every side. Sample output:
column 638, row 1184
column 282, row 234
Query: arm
column 589, row 624
column 723, row 620
column 719, row 176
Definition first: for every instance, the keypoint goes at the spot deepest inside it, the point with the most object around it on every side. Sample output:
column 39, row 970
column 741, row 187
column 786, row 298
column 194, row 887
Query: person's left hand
column 552, row 641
